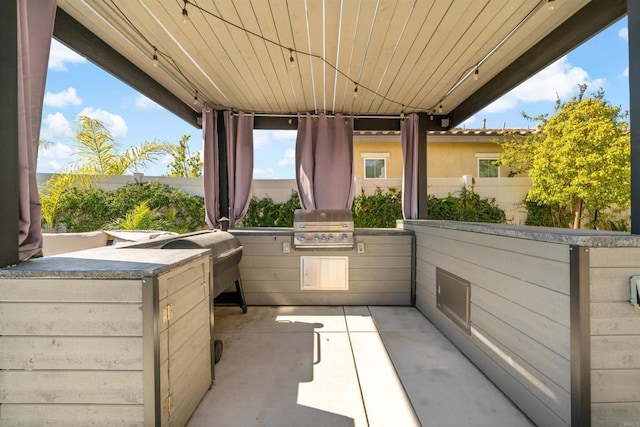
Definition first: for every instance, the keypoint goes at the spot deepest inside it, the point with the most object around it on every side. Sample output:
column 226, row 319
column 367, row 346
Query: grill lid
column 336, row 219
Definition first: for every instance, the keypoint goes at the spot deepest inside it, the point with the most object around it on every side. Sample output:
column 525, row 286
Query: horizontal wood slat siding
column 95, row 387
column 71, row 352
column 71, row 415
column 97, row 353
column 519, row 312
column 70, row 290
column 380, row 276
column 615, row 337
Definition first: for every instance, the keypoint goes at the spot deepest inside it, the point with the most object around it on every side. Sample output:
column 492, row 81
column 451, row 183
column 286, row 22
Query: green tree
column 98, row 153
column 580, row 158
column 184, row 163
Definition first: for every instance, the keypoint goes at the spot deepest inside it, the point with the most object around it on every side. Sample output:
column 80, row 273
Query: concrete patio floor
column 345, row 366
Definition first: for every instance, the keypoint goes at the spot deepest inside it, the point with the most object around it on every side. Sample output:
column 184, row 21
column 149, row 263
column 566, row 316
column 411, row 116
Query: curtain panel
column 324, row 162
column 211, row 168
column 35, row 29
column 409, row 141
column 239, row 162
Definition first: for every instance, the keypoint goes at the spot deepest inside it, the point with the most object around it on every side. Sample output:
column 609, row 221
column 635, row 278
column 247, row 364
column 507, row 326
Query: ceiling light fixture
column 292, row 62
column 154, row 60
column 355, row 91
column 476, row 74
column 440, row 109
column 185, row 14
column 402, row 113
column 551, row 4
column 195, row 98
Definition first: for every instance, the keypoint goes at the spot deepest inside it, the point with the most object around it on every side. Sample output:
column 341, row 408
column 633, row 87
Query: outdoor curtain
column 211, row 169
column 35, row 29
column 239, row 162
column 409, row 141
column 324, row 162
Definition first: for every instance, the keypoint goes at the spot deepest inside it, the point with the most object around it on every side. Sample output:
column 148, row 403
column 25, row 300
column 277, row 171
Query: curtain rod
column 355, row 116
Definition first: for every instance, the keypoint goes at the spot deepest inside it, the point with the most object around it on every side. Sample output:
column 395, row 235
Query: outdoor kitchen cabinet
column 108, row 336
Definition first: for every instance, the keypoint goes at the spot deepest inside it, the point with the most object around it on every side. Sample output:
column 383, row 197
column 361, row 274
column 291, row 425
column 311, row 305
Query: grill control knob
column 344, row 237
column 316, row 238
column 330, row 237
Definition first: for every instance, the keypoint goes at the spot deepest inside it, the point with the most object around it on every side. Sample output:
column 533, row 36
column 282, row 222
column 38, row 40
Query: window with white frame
column 375, row 168
column 488, row 167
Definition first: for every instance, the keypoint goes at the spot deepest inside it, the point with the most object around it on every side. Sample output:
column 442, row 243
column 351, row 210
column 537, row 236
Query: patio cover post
column 9, row 173
column 633, row 13
column 422, row 166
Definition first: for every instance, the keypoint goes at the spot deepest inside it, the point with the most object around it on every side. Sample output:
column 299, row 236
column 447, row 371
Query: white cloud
column 263, row 173
column 115, row 123
column 624, row 33
column 625, row 73
column 53, row 157
column 260, row 139
column 62, row 99
column 559, row 79
column 286, row 136
column 55, row 126
column 60, row 56
column 264, row 138
column 144, row 103
column 289, row 157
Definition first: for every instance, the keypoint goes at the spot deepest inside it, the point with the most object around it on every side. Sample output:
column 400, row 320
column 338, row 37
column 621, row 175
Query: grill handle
column 319, row 226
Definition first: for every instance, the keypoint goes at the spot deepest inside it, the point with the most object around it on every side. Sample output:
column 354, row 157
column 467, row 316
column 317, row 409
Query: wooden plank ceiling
column 401, row 55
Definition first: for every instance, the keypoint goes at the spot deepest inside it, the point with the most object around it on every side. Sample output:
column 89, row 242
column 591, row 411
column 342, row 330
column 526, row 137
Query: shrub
column 266, row 213
column 89, row 209
column 544, row 215
column 467, row 207
column 380, row 210
column 188, row 211
column 83, row 209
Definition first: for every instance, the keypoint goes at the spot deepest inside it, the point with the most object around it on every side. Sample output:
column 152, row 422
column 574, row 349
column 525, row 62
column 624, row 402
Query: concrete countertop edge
column 102, row 261
column 566, row 236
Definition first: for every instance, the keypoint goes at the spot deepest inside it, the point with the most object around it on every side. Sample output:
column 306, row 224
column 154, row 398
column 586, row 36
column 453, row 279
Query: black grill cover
column 226, row 253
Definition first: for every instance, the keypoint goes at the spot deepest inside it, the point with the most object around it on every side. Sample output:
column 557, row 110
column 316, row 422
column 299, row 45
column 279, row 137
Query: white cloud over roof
column 55, row 126
column 62, row 99
column 624, row 33
column 144, row 103
column 60, row 56
column 558, row 80
column 115, row 123
column 54, row 156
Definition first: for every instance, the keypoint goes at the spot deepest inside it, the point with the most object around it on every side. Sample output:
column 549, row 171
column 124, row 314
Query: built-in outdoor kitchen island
column 124, row 332
column 545, row 313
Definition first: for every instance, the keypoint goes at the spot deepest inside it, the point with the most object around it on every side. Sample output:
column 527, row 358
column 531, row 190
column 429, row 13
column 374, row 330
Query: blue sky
column 76, row 87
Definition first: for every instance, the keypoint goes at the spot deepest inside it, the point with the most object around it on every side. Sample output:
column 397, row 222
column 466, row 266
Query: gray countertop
column 567, row 236
column 107, row 262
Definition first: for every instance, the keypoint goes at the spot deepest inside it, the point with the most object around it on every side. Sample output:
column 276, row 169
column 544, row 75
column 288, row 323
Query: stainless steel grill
column 323, row 228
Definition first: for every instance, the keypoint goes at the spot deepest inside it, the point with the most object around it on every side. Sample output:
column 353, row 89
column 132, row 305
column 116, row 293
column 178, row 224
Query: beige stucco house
column 450, row 154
